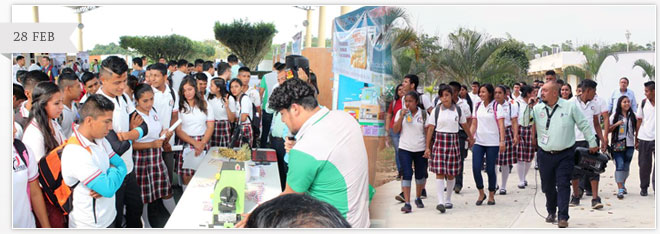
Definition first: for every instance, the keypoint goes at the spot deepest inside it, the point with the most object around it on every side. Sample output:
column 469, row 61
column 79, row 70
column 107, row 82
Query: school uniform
column 222, row 130
column 525, row 149
column 34, row 139
column 412, row 145
column 194, row 124
column 509, row 156
column 244, row 106
column 445, row 154
column 151, row 172
column 487, row 142
column 24, row 171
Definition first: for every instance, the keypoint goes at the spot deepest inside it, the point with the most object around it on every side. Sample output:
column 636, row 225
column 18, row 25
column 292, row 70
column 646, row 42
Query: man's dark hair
column 137, row 61
column 199, row 62
column 67, row 70
column 222, row 67
column 456, row 87
column 86, row 76
column 20, row 57
column 414, row 79
column 281, row 67
column 115, row 64
column 66, row 80
column 132, row 82
column 19, row 92
column 207, row 65
column 560, row 81
column 476, row 83
column 31, row 78
column 232, row 59
column 191, row 65
column 172, row 63
column 293, row 91
column 518, row 84
column 277, row 64
column 158, row 67
column 588, row 84
column 525, row 90
column 625, row 78
column 296, row 211
column 550, row 73
column 95, row 105
column 650, row 85
column 182, row 63
column 244, row 69
column 522, row 83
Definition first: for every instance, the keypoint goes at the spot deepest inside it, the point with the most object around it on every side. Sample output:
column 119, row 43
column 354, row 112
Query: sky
column 538, row 24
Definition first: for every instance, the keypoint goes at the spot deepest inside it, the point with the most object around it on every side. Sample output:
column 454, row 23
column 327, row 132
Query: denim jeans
column 395, row 141
column 622, row 159
column 407, row 160
column 478, row 152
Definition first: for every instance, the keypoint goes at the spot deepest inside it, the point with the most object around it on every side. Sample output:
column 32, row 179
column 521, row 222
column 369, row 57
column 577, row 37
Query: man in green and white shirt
column 329, row 159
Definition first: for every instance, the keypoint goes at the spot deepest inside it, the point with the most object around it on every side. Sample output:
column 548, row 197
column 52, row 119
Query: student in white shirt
column 645, row 138
column 463, row 138
column 71, row 89
column 444, row 152
column 244, row 109
column 474, row 95
column 202, row 85
column 622, row 127
column 224, row 110
column 411, row 83
column 28, row 81
column 209, row 71
column 19, row 66
column 566, row 91
column 91, row 84
column 43, row 133
column 507, row 158
column 26, row 193
column 196, row 127
column 89, row 163
column 179, row 74
column 488, row 128
column 151, row 172
column 251, row 92
column 527, row 147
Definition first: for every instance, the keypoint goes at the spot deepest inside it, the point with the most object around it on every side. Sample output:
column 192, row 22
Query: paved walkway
column 516, row 208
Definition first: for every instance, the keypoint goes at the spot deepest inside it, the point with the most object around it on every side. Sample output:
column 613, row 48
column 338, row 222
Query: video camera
column 293, row 63
column 590, row 163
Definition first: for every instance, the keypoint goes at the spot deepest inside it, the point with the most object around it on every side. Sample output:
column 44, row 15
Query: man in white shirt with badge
column 646, row 138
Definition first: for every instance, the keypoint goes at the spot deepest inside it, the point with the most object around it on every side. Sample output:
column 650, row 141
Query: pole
column 80, row 33
column 321, row 41
column 308, row 29
column 35, row 14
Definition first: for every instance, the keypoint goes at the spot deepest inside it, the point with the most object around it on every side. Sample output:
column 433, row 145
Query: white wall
column 611, row 71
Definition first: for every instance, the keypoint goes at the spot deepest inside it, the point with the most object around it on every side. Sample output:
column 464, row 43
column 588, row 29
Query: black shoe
column 423, row 196
column 440, row 208
column 575, row 201
column 458, row 188
column 502, row 191
column 596, row 204
column 400, row 197
column 551, row 218
column 562, row 223
column 490, row 203
column 644, row 193
column 525, row 183
column 520, row 186
column 479, row 202
column 449, row 205
column 625, row 191
column 580, row 193
column 406, row 208
column 419, row 203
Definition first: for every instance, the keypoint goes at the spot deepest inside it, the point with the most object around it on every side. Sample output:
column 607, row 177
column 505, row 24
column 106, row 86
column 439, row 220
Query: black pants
column 278, row 144
column 129, row 195
column 556, row 170
column 158, row 214
column 266, row 120
column 168, row 157
column 645, row 161
column 464, row 152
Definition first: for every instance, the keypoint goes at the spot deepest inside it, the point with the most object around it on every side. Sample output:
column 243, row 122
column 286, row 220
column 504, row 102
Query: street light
column 627, row 40
column 306, row 23
column 79, row 10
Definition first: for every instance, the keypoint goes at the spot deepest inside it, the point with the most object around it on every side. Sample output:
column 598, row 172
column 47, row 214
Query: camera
column 293, row 63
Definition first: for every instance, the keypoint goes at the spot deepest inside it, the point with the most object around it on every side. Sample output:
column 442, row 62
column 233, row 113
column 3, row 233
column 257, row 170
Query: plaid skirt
column 509, row 156
column 524, row 150
column 221, row 134
column 246, row 132
column 445, row 154
column 178, row 158
column 152, row 175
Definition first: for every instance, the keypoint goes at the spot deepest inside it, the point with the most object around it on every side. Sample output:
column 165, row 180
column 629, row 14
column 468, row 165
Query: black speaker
column 590, row 163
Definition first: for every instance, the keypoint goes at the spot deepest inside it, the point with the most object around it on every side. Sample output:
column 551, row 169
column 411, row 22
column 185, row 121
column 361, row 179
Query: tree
column 111, row 48
column 595, row 58
column 250, row 42
column 172, row 47
column 567, row 45
column 649, row 70
column 470, row 56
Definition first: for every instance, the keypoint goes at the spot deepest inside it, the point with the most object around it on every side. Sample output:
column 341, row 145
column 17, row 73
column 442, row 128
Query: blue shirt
column 614, row 98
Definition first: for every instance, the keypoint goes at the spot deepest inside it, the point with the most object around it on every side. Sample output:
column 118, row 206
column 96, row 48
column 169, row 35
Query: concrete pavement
column 516, row 209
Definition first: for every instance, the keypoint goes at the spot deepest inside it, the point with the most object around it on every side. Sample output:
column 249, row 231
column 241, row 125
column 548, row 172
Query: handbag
column 619, row 146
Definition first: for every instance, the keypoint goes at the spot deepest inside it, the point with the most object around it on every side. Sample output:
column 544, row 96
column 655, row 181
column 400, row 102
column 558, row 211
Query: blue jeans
column 395, row 141
column 478, row 152
column 622, row 159
column 407, row 160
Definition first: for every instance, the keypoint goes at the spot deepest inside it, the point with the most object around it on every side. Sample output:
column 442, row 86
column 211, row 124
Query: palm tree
column 470, row 56
column 594, row 59
column 649, row 70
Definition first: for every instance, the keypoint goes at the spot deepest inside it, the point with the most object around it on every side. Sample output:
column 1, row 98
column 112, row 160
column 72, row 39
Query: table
column 194, row 209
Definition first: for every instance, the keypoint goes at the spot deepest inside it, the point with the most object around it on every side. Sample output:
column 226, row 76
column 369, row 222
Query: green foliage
column 250, row 42
column 171, row 47
column 595, row 56
column 111, row 48
column 649, row 70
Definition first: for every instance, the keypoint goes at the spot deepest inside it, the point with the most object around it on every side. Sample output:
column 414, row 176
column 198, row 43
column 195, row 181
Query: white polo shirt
column 33, row 138
column 244, row 106
column 78, row 165
column 121, row 123
column 22, row 175
column 412, row 133
column 154, row 125
column 177, row 78
column 423, row 98
column 166, row 106
column 589, row 109
column 448, row 120
column 329, row 162
column 601, row 104
column 488, row 133
column 509, row 111
column 475, row 99
column 218, row 106
column 69, row 116
column 194, row 120
column 647, row 116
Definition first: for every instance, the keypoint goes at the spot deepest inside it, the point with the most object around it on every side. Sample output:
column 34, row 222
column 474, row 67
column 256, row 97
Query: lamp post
column 307, row 24
column 627, row 40
column 79, row 10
